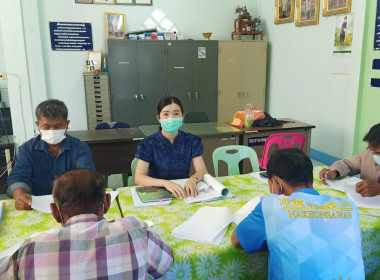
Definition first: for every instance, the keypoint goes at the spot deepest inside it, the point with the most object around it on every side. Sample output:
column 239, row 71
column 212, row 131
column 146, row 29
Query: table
column 112, row 149
column 213, row 134
column 194, row 260
column 253, row 33
column 255, row 137
column 18, row 225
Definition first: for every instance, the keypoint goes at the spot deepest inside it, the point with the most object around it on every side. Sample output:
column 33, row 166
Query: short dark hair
column 52, row 108
column 291, row 165
column 167, row 100
column 373, row 135
column 79, row 191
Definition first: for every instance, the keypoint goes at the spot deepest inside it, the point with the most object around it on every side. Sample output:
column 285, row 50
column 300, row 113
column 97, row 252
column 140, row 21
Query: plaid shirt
column 89, row 247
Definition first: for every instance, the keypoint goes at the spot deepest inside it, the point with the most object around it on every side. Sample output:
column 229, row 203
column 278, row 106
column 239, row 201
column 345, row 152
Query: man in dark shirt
column 46, row 156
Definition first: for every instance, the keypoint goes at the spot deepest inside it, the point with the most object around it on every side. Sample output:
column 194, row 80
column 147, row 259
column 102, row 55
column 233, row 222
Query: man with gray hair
column 46, row 156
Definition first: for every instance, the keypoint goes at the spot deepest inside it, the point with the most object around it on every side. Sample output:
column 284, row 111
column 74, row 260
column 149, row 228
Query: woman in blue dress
column 167, row 154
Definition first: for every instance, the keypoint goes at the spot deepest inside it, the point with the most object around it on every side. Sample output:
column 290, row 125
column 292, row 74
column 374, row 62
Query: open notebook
column 42, row 202
column 209, row 224
column 209, row 189
column 348, row 186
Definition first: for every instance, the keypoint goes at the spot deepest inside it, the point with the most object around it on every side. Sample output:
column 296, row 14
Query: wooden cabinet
column 137, row 80
column 241, row 76
column 192, row 68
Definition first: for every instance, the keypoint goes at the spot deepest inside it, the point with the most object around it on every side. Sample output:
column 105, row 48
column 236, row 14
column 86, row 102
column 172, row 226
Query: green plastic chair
column 233, row 159
column 133, row 168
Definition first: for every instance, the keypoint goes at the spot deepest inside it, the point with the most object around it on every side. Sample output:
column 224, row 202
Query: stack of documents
column 137, row 202
column 209, row 224
column 42, row 202
column 209, row 189
column 348, row 185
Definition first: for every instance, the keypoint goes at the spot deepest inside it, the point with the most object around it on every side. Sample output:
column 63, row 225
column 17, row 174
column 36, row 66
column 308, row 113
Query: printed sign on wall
column 376, row 41
column 71, row 36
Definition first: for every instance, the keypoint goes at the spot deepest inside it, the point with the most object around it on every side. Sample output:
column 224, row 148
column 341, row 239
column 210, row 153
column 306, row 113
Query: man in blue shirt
column 46, row 156
column 308, row 236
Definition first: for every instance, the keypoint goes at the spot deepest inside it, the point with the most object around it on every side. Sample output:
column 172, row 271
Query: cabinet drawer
column 96, row 106
column 97, row 86
column 99, row 111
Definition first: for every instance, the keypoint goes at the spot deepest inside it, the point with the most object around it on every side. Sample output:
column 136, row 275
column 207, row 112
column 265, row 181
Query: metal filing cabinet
column 97, row 98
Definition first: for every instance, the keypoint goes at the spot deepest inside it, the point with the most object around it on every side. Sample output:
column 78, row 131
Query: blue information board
column 376, row 41
column 71, row 36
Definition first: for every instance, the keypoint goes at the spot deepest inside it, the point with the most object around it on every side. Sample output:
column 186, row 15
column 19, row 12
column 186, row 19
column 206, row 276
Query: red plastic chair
column 283, row 141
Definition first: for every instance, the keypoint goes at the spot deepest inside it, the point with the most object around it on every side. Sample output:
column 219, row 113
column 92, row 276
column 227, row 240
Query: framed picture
column 334, row 7
column 284, row 11
column 115, row 25
column 109, row 2
column 307, row 12
column 83, row 1
column 94, row 62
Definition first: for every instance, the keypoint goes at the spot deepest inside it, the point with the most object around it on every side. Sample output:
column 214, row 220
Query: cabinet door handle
column 142, row 97
column 189, row 94
column 196, row 95
column 245, row 94
column 179, row 67
column 224, row 139
column 136, row 98
column 124, row 62
column 232, row 138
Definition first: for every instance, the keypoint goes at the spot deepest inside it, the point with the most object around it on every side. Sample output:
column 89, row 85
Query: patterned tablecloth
column 194, row 260
column 18, row 225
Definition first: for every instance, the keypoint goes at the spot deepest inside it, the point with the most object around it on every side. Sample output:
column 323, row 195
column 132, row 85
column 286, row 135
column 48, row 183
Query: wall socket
column 4, row 75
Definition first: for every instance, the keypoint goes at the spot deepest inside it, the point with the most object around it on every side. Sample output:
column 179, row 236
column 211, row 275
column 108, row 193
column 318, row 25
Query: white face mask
column 280, row 186
column 53, row 136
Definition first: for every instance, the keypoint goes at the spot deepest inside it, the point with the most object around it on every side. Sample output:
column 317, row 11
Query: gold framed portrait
column 284, row 11
column 307, row 12
column 115, row 26
column 94, row 62
column 334, row 7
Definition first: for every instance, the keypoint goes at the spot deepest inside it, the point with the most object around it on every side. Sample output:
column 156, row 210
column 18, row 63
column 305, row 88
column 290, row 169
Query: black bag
column 268, row 121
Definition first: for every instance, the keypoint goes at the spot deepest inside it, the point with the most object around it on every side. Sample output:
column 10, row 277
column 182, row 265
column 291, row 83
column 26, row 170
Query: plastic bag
column 248, row 115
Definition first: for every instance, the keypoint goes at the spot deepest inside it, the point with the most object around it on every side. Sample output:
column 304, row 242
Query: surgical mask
column 171, row 125
column 280, row 186
column 377, row 159
column 53, row 136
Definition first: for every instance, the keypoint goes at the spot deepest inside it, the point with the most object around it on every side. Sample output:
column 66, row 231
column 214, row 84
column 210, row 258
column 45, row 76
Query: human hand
column 367, row 188
column 191, row 187
column 175, row 189
column 327, row 174
column 23, row 200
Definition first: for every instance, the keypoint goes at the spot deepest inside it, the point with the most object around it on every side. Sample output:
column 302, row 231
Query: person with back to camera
column 366, row 163
column 309, row 236
column 167, row 154
column 87, row 246
column 46, row 156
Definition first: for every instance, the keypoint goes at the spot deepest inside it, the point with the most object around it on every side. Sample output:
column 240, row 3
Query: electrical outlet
column 4, row 75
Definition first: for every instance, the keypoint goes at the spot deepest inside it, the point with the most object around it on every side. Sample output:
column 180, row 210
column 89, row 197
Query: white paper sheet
column 137, row 202
column 364, row 202
column 343, row 184
column 42, row 202
column 207, row 225
column 258, row 176
column 245, row 210
column 209, row 189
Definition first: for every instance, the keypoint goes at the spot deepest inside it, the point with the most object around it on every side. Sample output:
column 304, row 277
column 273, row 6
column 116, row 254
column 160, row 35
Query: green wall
column 368, row 108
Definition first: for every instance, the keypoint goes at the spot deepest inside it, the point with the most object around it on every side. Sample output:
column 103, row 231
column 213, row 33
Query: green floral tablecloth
column 19, row 225
column 194, row 260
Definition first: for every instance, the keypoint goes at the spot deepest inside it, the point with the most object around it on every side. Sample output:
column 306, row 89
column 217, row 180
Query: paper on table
column 363, row 202
column 209, row 189
column 137, row 202
column 245, row 210
column 42, row 202
column 343, row 184
column 207, row 225
column 258, row 176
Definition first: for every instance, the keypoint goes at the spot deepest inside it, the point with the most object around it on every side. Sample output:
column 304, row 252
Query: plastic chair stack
column 233, row 159
column 283, row 141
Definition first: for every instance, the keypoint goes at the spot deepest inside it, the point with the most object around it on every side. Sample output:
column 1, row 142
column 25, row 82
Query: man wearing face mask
column 46, row 156
column 308, row 236
column 366, row 163
column 87, row 246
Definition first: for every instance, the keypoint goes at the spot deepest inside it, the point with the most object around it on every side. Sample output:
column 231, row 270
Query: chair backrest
column 233, row 159
column 283, row 141
column 111, row 125
column 195, row 117
column 133, row 168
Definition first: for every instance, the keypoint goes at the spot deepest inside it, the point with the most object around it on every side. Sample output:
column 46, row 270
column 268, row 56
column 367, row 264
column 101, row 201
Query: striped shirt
column 89, row 247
